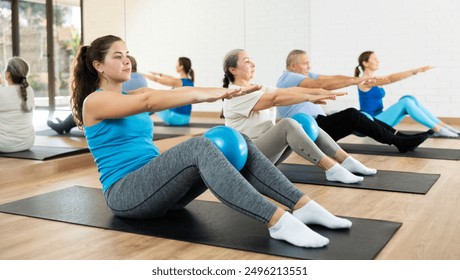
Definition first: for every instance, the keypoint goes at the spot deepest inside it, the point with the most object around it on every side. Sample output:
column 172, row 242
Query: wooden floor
column 430, row 230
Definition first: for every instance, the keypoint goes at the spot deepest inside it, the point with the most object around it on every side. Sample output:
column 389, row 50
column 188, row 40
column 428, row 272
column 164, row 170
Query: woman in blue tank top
column 371, row 96
column 139, row 182
column 179, row 116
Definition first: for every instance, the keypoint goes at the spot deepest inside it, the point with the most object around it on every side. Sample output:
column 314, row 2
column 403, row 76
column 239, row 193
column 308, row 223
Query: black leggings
column 344, row 123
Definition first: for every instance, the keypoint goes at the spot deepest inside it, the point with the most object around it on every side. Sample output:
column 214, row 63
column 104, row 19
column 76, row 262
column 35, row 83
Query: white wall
column 404, row 33
column 98, row 20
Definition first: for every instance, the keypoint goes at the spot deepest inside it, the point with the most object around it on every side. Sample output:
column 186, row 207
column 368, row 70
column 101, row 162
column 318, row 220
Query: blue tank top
column 121, row 146
column 371, row 101
column 187, row 109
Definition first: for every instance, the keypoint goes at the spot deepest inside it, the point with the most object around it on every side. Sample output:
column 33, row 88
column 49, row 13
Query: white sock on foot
column 452, row 129
column 445, row 132
column 313, row 213
column 293, row 231
column 338, row 173
column 355, row 166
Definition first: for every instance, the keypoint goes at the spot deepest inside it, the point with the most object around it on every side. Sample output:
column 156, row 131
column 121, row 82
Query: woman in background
column 371, row 96
column 181, row 115
column 16, row 108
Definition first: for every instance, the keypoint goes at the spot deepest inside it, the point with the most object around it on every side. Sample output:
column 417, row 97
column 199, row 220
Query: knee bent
column 308, row 124
column 231, row 143
column 408, row 100
column 411, row 97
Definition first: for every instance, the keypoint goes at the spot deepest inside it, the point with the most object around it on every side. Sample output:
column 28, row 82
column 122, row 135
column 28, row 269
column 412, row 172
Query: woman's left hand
column 424, row 69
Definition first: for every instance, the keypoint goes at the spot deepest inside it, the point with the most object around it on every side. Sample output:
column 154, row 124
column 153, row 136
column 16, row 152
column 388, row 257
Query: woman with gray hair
column 16, row 108
column 255, row 115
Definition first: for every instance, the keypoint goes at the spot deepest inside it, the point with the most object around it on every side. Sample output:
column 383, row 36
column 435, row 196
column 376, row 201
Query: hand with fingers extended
column 321, row 99
column 251, row 89
column 422, row 69
column 325, row 92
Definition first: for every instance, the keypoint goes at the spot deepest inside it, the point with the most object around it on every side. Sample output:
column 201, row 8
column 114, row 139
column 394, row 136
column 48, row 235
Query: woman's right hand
column 211, row 96
column 214, row 94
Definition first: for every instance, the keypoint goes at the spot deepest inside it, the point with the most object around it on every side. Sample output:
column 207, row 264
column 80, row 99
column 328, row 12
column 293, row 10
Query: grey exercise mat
column 200, row 125
column 385, row 150
column 395, row 181
column 45, row 152
column 203, row 222
column 411, row 132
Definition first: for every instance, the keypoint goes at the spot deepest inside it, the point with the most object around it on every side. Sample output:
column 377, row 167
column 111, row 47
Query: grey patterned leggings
column 287, row 135
column 176, row 177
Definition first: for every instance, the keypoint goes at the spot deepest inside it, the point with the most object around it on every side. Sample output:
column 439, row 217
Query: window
column 67, row 37
column 34, row 42
column 6, row 42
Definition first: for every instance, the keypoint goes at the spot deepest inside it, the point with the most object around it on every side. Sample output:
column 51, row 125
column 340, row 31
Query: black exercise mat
column 45, row 153
column 50, row 132
column 394, row 181
column 200, row 125
column 384, row 150
column 79, row 133
column 411, row 132
column 204, row 222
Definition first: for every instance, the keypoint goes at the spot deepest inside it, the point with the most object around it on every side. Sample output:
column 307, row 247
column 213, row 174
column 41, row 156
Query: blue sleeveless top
column 121, row 146
column 371, row 101
column 187, row 109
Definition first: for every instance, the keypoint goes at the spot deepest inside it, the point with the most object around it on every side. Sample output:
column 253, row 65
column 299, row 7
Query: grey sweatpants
column 176, row 177
column 287, row 135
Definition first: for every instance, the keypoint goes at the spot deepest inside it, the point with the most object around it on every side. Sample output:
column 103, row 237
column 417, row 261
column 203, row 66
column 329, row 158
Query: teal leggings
column 408, row 105
column 173, row 118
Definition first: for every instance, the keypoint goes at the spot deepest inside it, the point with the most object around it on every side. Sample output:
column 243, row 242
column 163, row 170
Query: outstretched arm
column 295, row 95
column 380, row 81
column 164, row 79
column 332, row 82
column 111, row 105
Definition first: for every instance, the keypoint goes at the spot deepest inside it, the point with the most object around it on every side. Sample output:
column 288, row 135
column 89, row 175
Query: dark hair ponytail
column 225, row 81
column 192, row 74
column 357, row 71
column 85, row 78
column 24, row 85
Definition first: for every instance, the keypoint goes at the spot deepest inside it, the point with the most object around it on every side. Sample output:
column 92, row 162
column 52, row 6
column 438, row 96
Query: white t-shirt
column 16, row 126
column 239, row 115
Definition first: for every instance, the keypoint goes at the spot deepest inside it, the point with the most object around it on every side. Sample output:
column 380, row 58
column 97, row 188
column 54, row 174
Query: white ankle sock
column 313, row 213
column 293, row 231
column 452, row 129
column 338, row 173
column 445, row 132
column 355, row 166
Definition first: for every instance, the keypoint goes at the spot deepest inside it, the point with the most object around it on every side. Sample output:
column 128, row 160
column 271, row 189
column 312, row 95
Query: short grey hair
column 293, row 56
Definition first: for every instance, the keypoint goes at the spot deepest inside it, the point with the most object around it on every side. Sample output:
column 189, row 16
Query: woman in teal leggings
column 370, row 98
